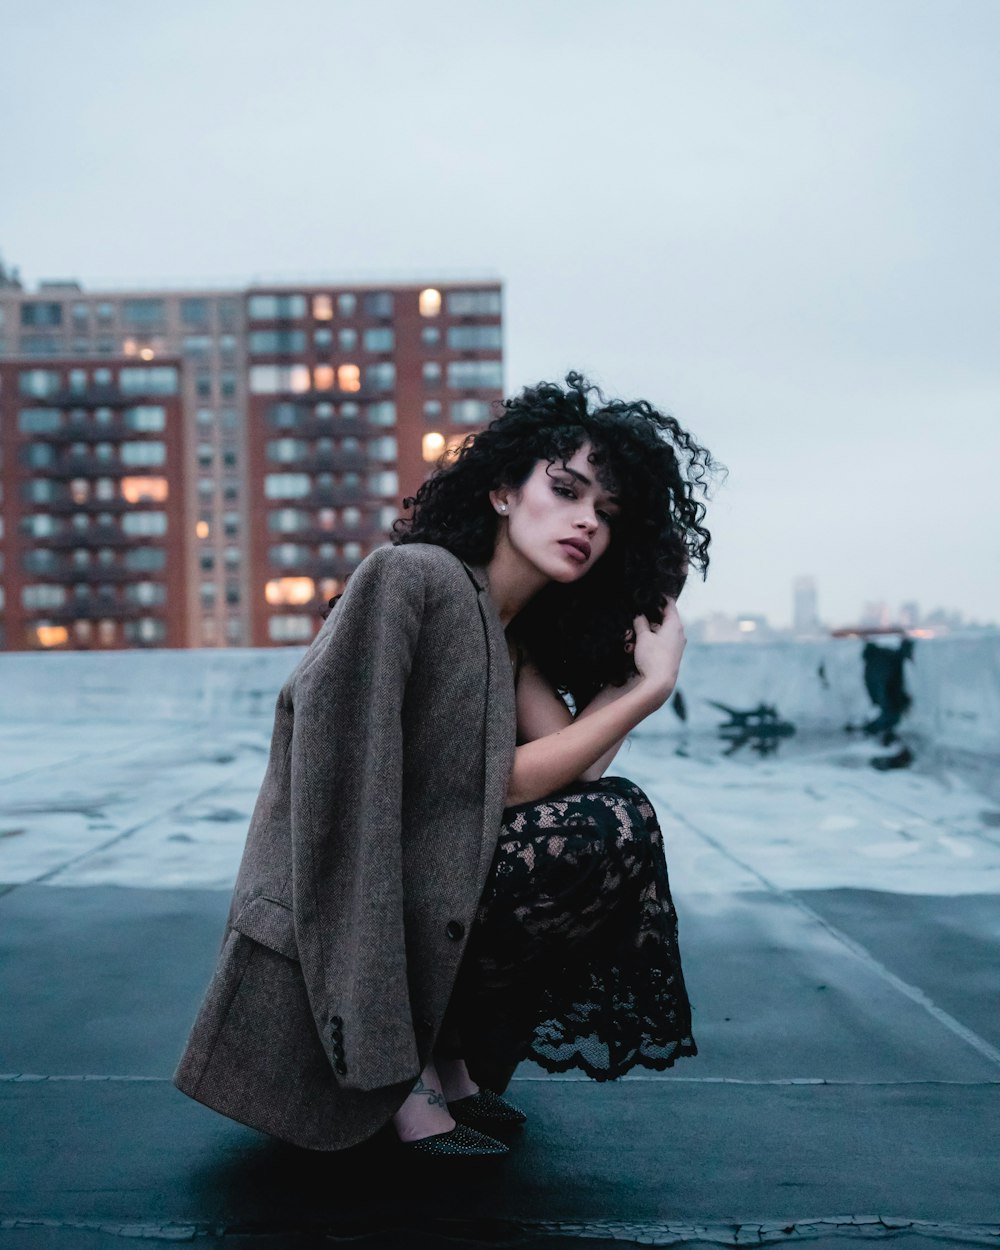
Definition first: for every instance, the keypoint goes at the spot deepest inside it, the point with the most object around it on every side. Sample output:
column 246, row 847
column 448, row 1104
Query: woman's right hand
column 658, row 649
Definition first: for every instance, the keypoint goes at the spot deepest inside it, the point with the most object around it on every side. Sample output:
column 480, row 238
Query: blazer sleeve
column 346, row 783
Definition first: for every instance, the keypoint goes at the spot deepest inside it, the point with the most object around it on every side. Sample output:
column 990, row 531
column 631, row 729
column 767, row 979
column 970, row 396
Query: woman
column 438, row 879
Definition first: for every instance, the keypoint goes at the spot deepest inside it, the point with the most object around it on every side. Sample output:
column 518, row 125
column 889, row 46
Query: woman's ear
column 499, row 499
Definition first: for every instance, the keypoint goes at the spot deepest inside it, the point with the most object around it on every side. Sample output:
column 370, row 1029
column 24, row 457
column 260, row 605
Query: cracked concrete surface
column 840, row 932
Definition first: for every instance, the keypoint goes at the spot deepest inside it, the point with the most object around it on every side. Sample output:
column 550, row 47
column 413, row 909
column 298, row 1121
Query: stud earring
column 503, row 507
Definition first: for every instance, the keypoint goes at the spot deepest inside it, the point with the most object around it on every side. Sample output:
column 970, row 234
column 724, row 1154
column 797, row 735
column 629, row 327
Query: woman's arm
column 567, row 749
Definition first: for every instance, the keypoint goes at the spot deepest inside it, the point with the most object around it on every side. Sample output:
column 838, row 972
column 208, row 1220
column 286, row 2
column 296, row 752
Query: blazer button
column 340, row 1067
column 336, row 1023
column 455, row 930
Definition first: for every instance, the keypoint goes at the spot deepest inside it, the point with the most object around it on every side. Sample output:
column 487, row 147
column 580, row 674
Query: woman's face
column 560, row 520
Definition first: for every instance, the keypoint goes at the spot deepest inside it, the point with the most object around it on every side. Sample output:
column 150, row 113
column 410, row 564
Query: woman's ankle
column 455, row 1080
column 425, row 1111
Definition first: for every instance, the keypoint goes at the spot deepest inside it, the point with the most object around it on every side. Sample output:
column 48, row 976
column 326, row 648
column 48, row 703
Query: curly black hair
column 575, row 632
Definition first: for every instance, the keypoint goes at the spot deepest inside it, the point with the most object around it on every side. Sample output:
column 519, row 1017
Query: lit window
column 430, row 302
column 322, row 307
column 349, row 378
column 330, row 586
column 290, row 590
column 83, row 630
column 432, row 446
column 145, row 489
column 51, row 635
column 326, row 518
column 106, row 633
column 323, row 377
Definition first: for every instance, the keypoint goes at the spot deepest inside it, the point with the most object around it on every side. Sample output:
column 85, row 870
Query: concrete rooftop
column 840, row 929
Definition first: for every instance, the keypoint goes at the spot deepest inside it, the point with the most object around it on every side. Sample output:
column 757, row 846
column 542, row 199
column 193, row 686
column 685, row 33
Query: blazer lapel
column 500, row 728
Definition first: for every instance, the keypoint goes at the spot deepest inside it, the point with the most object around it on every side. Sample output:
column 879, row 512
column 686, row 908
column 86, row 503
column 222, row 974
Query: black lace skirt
column 573, row 959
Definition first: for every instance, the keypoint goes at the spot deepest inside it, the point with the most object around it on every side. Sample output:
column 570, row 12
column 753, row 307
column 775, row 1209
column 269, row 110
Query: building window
column 149, row 453
column 148, row 380
column 272, row 379
column 146, row 559
column 290, row 628
column 145, row 489
column 197, row 345
column 382, row 413
column 39, row 420
column 290, row 590
column 274, row 342
column 38, row 383
column 145, row 631
column 149, row 594
column 48, row 635
column 81, row 316
column 473, row 303
column 474, row 338
column 431, row 373
column 349, row 378
column 348, row 339
column 234, row 630
column 378, row 304
column 381, row 377
column 384, row 484
column 232, row 557
column 323, row 377
column 351, row 518
column 470, row 374
column 41, row 314
column 276, row 307
column 431, row 446
column 322, row 307
column 286, row 485
column 146, row 418
column 227, row 384
column 323, row 337
column 346, row 304
column 196, row 312
column 383, row 448
column 143, row 313
column 42, row 596
column 470, row 411
column 430, row 302
column 230, row 524
column 38, row 455
column 286, row 520
column 432, row 410
column 145, row 523
column 229, row 419
column 379, row 339
column 285, row 555
column 431, row 335
column 229, row 313
column 286, row 450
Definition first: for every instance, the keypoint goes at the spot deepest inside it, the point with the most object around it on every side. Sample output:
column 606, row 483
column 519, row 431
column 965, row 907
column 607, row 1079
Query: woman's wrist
column 653, row 690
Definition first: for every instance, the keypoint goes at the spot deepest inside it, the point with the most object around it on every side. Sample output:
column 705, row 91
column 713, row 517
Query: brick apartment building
column 293, row 422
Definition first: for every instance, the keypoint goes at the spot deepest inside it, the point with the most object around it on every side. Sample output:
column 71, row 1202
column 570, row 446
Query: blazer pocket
column 270, row 923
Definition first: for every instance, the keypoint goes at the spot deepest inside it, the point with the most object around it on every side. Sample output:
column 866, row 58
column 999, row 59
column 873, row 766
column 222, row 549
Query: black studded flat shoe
column 459, row 1141
column 486, row 1110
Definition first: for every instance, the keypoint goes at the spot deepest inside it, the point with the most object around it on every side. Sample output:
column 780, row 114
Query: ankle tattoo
column 434, row 1096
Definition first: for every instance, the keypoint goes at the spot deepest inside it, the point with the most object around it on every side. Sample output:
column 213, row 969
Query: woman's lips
column 581, row 557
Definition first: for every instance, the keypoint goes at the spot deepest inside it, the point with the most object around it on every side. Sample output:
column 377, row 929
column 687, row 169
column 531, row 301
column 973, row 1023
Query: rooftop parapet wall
column 817, row 686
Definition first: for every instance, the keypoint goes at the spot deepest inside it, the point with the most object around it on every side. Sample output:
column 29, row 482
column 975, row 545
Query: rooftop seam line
column 912, row 992
column 127, row 833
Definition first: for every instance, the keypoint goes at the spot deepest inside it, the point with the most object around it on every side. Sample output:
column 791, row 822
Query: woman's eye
column 565, row 490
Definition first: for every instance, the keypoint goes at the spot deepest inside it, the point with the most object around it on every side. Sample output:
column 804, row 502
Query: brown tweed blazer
column 368, row 851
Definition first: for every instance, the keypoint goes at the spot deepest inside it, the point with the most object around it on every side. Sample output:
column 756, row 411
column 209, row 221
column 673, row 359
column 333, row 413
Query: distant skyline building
column 294, row 421
column 805, row 607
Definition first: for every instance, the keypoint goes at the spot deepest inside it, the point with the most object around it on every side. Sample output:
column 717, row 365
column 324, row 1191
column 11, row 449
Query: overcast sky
column 778, row 219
